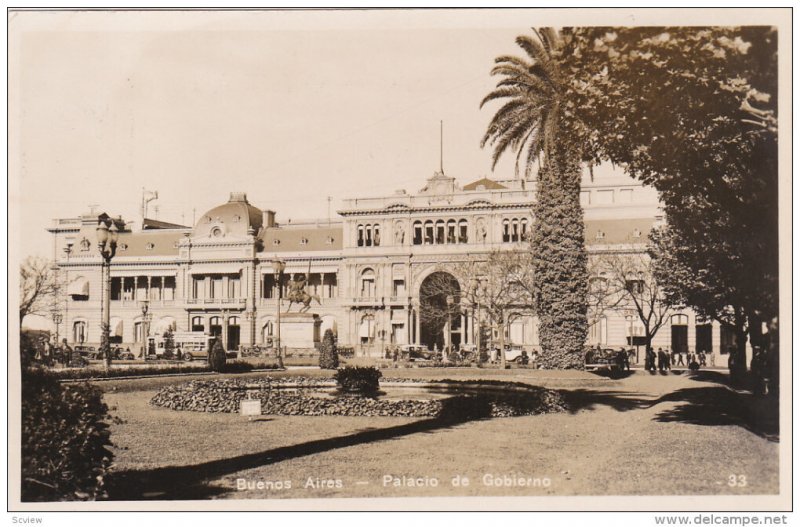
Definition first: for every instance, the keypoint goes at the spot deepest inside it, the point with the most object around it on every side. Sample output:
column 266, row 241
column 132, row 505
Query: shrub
column 169, row 344
column 217, row 356
column 356, row 379
column 64, row 439
column 328, row 356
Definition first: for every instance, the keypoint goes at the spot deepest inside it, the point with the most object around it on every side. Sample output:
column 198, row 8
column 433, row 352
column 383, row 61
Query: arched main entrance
column 435, row 313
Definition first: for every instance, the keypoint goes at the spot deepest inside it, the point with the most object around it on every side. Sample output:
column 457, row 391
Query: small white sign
column 250, row 407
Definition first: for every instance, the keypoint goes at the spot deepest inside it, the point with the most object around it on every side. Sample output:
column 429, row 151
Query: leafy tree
column 693, row 112
column 328, row 356
column 38, row 286
column 536, row 121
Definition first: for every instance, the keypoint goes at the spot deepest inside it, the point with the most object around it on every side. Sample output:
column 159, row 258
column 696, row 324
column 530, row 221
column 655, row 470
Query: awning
column 219, row 269
column 367, row 328
column 132, row 272
column 78, row 287
column 303, row 269
column 115, row 327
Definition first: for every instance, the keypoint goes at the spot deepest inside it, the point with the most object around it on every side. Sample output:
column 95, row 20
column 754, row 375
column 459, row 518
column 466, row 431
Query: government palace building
column 366, row 268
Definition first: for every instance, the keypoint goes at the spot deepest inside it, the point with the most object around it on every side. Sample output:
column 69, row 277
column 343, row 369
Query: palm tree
column 534, row 122
column 533, row 89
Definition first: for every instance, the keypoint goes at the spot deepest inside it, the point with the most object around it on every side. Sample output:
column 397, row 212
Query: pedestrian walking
column 680, row 358
column 626, row 363
column 67, row 354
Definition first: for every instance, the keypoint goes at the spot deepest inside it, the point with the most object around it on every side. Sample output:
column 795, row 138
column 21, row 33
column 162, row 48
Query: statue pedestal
column 300, row 330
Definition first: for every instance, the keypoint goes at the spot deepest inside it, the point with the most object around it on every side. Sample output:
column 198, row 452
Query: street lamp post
column 145, row 306
column 107, row 246
column 57, row 317
column 278, row 267
column 476, row 319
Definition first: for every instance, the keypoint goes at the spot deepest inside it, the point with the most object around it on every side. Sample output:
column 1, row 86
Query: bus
column 192, row 344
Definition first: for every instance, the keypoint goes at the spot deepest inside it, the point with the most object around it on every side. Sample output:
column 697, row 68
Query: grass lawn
column 642, row 435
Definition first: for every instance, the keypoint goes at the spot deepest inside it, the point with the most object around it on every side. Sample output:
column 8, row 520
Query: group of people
column 663, row 360
column 49, row 354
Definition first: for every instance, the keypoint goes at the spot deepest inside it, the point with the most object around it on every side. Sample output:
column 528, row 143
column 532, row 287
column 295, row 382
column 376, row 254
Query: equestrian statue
column 297, row 294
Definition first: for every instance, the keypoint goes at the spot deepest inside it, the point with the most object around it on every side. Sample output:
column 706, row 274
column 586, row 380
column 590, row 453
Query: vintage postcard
column 401, row 259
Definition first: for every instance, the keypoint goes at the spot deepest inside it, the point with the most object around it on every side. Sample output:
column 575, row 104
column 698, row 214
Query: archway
column 435, row 314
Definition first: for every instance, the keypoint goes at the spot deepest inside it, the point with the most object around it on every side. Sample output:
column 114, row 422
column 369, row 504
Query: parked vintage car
column 607, row 359
column 514, row 353
column 87, row 352
column 412, row 352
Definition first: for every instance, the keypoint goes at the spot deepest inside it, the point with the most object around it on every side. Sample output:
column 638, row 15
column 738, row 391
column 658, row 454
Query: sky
column 287, row 107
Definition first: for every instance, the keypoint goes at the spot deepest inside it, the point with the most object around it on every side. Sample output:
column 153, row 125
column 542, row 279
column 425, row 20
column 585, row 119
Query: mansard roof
column 301, row 239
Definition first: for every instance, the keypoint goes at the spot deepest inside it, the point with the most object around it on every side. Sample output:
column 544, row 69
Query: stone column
column 417, row 324
column 225, row 330
column 463, row 329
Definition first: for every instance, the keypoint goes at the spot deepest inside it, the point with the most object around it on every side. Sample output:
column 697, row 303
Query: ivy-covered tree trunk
column 560, row 261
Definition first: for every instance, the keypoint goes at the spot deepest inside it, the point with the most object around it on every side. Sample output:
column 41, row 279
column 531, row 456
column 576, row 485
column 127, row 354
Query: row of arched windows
column 440, row 232
column 369, row 235
column 515, row 229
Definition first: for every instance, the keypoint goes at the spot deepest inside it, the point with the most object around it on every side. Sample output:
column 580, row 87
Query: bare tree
column 603, row 295
column 633, row 285
column 497, row 285
column 38, row 287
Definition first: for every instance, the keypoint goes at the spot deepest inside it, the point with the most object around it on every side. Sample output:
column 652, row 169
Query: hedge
column 65, row 439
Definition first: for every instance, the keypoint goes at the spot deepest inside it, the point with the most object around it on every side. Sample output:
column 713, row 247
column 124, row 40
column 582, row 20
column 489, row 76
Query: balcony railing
column 273, row 301
column 216, row 301
column 127, row 302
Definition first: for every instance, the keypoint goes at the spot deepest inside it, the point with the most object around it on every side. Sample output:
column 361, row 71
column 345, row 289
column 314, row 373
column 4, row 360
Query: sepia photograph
column 400, row 259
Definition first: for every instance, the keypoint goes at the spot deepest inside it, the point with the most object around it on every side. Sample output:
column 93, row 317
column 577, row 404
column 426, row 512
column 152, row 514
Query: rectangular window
column 155, row 288
column 233, row 288
column 429, row 234
column 604, row 197
column 169, row 288
column 116, row 289
column 198, row 288
column 451, row 233
column 141, row 287
column 129, row 288
column 626, row 195
column 635, row 286
column 216, row 287
column 399, row 288
column 440, row 233
column 367, row 288
column 268, row 289
column 417, row 234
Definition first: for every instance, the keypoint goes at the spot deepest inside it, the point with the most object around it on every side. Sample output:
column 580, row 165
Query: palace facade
column 366, row 269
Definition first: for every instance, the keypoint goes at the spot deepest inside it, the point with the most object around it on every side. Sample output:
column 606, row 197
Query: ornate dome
column 234, row 218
